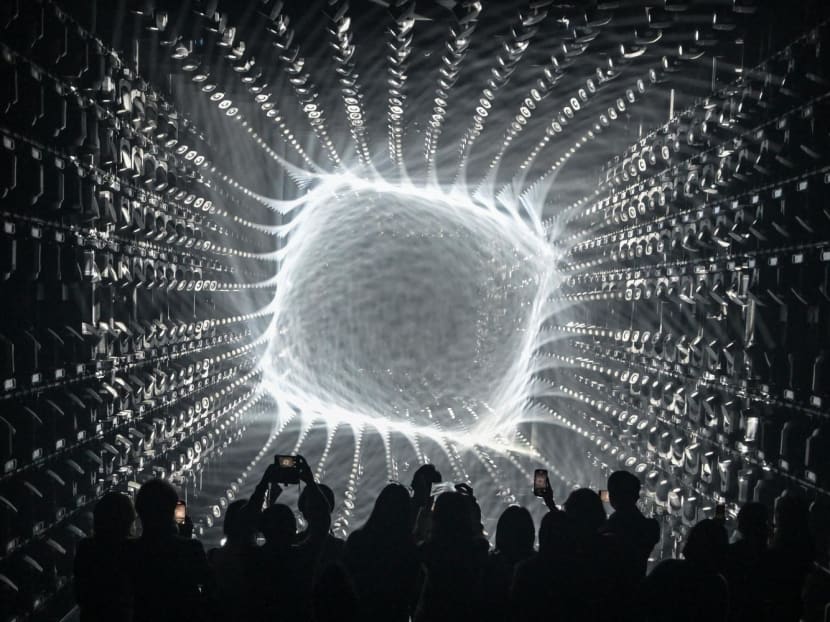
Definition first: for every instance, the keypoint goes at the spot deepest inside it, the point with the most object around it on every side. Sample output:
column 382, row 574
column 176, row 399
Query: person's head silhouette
column 515, row 533
column 279, row 525
column 791, row 513
column 623, row 490
column 237, row 526
column 156, row 504
column 422, row 482
column 451, row 518
column 557, row 536
column 390, row 516
column 753, row 523
column 113, row 517
column 792, row 524
column 585, row 507
column 316, row 508
column 707, row 545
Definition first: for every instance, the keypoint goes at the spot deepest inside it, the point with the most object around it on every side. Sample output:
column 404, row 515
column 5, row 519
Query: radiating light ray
column 551, row 74
column 246, row 68
column 509, row 58
column 400, row 45
column 342, row 524
column 459, row 473
column 457, row 44
column 542, row 185
column 290, row 56
column 350, row 89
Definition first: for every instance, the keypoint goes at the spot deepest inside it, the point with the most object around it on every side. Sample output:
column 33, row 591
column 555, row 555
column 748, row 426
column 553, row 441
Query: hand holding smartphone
column 184, row 525
column 541, row 485
column 181, row 513
column 542, row 488
column 288, row 469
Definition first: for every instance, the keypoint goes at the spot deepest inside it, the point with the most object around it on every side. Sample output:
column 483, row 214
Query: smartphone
column 286, row 462
column 181, row 513
column 720, row 512
column 603, row 495
column 288, row 469
column 540, row 482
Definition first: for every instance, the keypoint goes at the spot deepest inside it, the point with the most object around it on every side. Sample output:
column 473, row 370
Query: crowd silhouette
column 425, row 557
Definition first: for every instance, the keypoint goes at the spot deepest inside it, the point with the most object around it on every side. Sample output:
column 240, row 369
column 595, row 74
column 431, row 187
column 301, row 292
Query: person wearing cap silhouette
column 635, row 533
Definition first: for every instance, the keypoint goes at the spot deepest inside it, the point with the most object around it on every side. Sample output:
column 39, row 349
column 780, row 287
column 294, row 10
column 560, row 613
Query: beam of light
column 350, row 88
column 400, row 46
column 508, row 60
column 289, row 55
column 457, row 45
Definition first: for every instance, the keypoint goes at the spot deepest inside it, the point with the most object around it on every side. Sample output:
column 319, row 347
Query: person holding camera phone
column 314, row 549
column 316, row 546
column 257, row 583
column 171, row 576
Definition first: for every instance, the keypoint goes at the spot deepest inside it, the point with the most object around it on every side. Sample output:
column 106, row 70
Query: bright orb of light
column 407, row 305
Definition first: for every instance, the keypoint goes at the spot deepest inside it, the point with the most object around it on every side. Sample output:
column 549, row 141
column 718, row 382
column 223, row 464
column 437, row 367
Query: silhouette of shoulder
column 102, row 582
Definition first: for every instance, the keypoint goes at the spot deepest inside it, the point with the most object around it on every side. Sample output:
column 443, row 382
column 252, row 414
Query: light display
column 490, row 235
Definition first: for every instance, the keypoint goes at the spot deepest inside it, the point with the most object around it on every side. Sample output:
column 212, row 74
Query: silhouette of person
column 234, row 564
column 475, row 515
column 421, row 511
column 615, row 588
column 707, row 546
column 382, row 558
column 333, row 597
column 635, row 533
column 585, row 507
column 745, row 562
column 275, row 582
column 515, row 534
column 790, row 557
column 690, row 589
column 316, row 547
column 279, row 527
column 102, row 584
column 556, row 584
column 170, row 573
column 316, row 505
column 255, row 504
column 453, row 560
